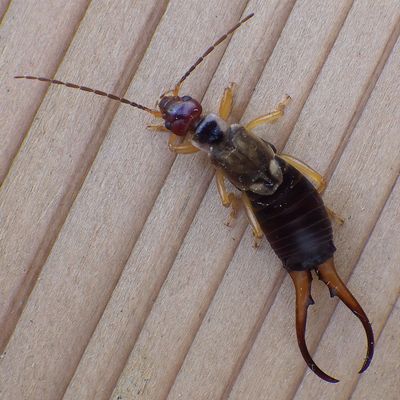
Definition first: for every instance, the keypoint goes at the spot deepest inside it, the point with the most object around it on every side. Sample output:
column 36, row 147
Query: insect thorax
column 247, row 161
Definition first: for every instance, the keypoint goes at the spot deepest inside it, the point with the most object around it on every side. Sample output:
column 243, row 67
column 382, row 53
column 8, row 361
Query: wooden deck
column 118, row 277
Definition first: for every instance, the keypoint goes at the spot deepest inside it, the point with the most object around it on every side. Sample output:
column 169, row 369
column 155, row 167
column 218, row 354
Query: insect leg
column 257, row 231
column 230, row 200
column 271, row 117
column 183, row 148
column 316, row 179
column 227, row 199
column 334, row 217
column 225, row 107
column 158, row 128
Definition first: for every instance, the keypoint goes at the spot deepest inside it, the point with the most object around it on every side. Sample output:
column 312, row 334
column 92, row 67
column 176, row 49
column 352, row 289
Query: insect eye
column 186, row 98
column 168, row 125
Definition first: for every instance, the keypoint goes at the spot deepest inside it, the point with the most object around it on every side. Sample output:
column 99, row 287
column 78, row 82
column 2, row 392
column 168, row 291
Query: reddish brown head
column 180, row 113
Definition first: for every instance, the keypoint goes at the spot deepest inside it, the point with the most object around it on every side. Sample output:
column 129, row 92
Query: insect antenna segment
column 206, row 53
column 90, row 90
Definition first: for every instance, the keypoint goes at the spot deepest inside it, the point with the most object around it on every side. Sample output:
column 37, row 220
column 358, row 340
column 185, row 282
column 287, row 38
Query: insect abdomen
column 295, row 221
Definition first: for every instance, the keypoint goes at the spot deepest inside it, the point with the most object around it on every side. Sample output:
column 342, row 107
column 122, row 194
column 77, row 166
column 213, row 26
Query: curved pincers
column 327, row 273
column 302, row 282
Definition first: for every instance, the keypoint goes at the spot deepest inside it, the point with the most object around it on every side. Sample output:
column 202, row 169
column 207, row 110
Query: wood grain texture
column 3, row 7
column 384, row 379
column 118, row 277
column 34, row 38
column 48, row 172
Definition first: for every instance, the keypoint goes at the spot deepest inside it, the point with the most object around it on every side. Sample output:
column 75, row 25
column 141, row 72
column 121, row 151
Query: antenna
column 95, row 91
column 207, row 52
column 111, row 96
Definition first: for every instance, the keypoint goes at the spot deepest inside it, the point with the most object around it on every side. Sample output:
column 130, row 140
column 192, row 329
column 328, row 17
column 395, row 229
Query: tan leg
column 227, row 199
column 183, row 148
column 271, row 117
column 230, row 200
column 158, row 128
column 172, row 92
column 316, row 179
column 225, row 107
column 177, row 88
column 257, row 231
column 334, row 217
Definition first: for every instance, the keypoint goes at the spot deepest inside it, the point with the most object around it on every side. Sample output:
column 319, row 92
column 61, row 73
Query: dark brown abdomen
column 295, row 222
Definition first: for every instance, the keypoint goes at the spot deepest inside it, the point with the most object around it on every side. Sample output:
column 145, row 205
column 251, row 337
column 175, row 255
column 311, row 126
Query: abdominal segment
column 295, row 222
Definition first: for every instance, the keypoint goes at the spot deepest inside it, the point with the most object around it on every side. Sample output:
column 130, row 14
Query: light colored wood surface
column 118, row 277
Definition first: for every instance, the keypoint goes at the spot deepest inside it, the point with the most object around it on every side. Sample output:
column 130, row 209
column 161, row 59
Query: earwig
column 280, row 194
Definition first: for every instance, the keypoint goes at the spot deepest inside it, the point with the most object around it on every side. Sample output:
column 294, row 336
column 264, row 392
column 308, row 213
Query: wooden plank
column 62, row 143
column 361, row 162
column 361, row 45
column 303, row 51
column 384, row 381
column 106, row 218
column 376, row 273
column 34, row 38
column 3, row 8
column 245, row 293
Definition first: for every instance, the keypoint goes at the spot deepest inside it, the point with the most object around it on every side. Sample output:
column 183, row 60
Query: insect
column 280, row 194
